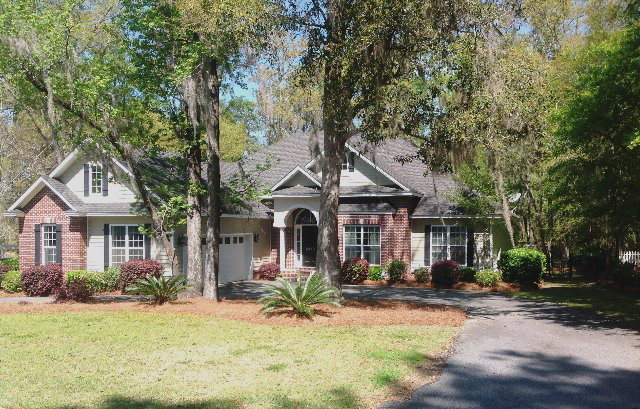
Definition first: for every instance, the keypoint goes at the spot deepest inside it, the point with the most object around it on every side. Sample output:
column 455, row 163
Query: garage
column 236, row 253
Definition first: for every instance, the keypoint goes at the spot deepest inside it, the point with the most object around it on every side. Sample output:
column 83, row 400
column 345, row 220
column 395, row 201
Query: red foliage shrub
column 445, row 273
column 42, row 280
column 354, row 271
column 268, row 271
column 78, row 290
column 138, row 269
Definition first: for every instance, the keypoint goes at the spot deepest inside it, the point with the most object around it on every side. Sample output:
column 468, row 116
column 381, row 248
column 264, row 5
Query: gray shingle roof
column 65, row 192
column 351, row 208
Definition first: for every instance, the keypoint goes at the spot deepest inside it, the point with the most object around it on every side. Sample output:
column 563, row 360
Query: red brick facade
column 47, row 208
column 395, row 235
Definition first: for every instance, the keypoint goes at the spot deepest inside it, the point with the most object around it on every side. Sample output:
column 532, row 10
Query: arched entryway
column 305, row 238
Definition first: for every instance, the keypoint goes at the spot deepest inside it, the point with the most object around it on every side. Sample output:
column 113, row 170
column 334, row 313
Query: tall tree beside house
column 72, row 53
column 366, row 53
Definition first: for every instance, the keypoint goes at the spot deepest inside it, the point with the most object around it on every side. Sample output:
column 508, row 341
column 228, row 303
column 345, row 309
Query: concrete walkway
column 515, row 353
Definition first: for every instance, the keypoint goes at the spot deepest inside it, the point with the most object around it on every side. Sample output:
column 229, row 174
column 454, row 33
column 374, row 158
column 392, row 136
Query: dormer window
column 347, row 161
column 96, row 179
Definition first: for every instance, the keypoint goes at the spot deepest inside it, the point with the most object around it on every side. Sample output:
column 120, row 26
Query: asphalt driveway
column 515, row 353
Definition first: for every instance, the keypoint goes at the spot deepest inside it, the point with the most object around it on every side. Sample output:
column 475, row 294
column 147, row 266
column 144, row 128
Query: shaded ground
column 518, row 353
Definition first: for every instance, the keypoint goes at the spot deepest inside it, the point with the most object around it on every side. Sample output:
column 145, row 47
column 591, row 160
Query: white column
column 283, row 254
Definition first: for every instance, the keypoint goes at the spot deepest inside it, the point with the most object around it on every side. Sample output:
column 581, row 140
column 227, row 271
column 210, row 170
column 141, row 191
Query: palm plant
column 160, row 288
column 300, row 297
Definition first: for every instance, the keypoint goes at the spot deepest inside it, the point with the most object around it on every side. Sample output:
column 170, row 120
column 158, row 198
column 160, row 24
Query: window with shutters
column 96, row 178
column 49, row 244
column 127, row 243
column 449, row 243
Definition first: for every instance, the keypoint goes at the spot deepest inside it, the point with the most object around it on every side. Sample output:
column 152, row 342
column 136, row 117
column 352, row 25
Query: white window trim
column 344, row 241
column 126, row 248
column 448, row 227
column 43, row 253
column 95, row 189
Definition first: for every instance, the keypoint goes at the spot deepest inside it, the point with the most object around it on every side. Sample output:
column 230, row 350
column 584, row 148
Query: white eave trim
column 38, row 184
column 402, row 194
column 455, row 217
column 293, row 172
column 13, row 213
column 244, row 216
column 64, row 165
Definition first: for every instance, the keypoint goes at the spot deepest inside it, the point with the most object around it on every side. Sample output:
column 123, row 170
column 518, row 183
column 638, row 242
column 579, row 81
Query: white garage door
column 235, row 258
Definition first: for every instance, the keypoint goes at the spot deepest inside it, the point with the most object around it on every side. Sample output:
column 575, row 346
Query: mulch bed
column 353, row 312
column 409, row 283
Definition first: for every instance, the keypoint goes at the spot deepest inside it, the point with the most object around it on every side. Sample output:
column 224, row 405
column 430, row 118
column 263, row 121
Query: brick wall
column 47, row 208
column 395, row 232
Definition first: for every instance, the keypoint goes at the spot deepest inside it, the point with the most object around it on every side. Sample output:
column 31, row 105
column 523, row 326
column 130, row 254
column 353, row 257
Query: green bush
column 12, row 282
column 375, row 273
column 12, row 262
column 300, row 297
column 488, row 278
column 522, row 265
column 161, row 289
column 108, row 280
column 422, row 274
column 395, row 270
column 468, row 274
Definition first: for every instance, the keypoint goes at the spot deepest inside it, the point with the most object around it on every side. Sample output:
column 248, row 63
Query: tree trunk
column 194, row 220
column 506, row 212
column 208, row 91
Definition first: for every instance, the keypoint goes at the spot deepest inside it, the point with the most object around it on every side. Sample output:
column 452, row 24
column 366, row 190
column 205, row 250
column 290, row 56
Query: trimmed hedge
column 468, row 274
column 78, row 290
column 488, row 278
column 445, row 273
column 268, row 271
column 42, row 280
column 13, row 263
column 422, row 274
column 99, row 281
column 395, row 270
column 354, row 271
column 522, row 265
column 375, row 273
column 12, row 282
column 137, row 270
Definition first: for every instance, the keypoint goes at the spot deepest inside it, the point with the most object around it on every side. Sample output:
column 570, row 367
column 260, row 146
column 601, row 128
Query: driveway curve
column 516, row 353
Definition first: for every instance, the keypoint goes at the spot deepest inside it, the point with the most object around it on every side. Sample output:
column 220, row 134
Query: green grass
column 152, row 360
column 615, row 305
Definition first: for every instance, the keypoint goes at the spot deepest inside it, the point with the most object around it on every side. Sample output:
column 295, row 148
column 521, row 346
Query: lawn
column 612, row 304
column 122, row 359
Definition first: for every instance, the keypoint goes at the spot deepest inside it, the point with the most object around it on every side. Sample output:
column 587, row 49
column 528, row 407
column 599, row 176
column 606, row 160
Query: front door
column 309, row 245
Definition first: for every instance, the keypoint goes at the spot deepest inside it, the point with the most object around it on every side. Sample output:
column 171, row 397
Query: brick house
column 85, row 215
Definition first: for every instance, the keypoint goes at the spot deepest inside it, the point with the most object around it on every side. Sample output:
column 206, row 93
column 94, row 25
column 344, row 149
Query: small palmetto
column 300, row 297
column 161, row 289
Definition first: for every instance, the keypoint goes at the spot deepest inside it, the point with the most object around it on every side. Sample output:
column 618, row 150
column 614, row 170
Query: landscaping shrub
column 161, row 289
column 300, row 297
column 395, row 270
column 468, row 274
column 422, row 274
column 522, row 265
column 77, row 290
column 99, row 281
column 375, row 273
column 445, row 273
column 42, row 280
column 488, row 278
column 12, row 282
column 268, row 271
column 13, row 264
column 627, row 274
column 137, row 270
column 354, row 271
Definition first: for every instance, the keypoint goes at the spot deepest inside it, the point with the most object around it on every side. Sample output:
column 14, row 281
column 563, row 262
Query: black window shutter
column 107, row 239
column 352, row 157
column 105, row 180
column 59, row 244
column 470, row 247
column 38, row 252
column 147, row 243
column 86, row 179
column 427, row 245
